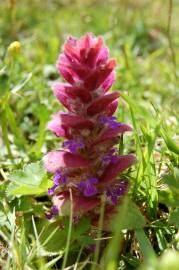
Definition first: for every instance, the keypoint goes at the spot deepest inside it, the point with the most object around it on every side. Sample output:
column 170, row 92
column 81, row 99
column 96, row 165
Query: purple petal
column 82, row 185
column 88, row 187
column 114, row 159
column 111, row 156
column 90, row 190
column 63, row 179
column 111, row 121
column 73, row 145
column 48, row 215
column 59, row 178
column 114, row 193
column 52, row 189
column 93, row 180
column 54, row 210
column 56, row 178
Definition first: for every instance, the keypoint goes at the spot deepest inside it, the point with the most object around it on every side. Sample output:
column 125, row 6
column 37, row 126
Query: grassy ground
column 143, row 36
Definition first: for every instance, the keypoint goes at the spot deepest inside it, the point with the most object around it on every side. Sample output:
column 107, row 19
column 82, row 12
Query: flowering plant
column 87, row 164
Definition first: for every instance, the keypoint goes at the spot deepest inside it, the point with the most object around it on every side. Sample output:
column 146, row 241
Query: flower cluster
column 87, row 164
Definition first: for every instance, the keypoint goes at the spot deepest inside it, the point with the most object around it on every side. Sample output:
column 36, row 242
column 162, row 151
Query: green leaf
column 24, row 204
column 174, row 218
column 168, row 197
column 145, row 244
column 131, row 260
column 86, row 241
column 82, row 227
column 32, row 179
column 51, row 237
column 172, row 146
column 31, row 175
column 162, row 242
column 133, row 217
column 14, row 127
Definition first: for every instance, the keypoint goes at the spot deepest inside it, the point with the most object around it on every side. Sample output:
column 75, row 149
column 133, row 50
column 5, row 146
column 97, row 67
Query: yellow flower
column 14, row 48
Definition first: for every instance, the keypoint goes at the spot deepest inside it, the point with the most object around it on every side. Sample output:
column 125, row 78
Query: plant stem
column 69, row 233
column 100, row 229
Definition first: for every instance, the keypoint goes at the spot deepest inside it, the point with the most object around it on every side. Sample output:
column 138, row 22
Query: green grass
column 143, row 36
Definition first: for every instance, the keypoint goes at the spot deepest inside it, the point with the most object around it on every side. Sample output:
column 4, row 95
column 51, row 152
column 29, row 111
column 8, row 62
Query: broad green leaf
column 14, row 189
column 82, row 227
column 133, row 217
column 31, row 175
column 24, row 204
column 86, row 241
column 30, row 180
column 51, row 236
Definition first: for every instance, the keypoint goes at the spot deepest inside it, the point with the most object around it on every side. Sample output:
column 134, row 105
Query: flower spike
column 87, row 162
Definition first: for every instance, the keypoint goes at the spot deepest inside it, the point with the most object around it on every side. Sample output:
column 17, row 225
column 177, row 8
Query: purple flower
column 48, row 215
column 54, row 211
column 111, row 157
column 111, row 121
column 52, row 189
column 73, row 145
column 59, row 178
column 117, row 191
column 88, row 187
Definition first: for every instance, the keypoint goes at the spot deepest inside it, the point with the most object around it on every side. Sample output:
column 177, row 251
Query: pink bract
column 87, row 162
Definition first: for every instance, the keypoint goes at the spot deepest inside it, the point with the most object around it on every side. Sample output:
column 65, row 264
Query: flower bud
column 14, row 48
